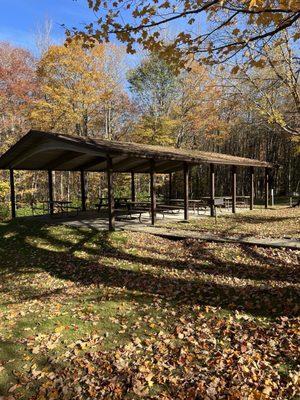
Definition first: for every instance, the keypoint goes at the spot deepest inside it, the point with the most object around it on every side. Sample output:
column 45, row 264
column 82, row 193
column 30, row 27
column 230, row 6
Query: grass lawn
column 276, row 222
column 92, row 315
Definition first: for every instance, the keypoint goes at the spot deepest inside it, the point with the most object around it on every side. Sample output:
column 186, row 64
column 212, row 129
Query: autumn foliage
column 229, row 27
column 76, row 87
column 88, row 315
column 18, row 86
column 91, row 92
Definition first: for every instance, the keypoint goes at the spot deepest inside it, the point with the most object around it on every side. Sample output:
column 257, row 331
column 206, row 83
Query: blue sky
column 19, row 18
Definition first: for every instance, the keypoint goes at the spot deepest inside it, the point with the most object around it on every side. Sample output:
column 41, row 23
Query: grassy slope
column 86, row 315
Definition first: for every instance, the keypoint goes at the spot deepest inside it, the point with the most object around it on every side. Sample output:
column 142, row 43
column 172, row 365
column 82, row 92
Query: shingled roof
column 53, row 151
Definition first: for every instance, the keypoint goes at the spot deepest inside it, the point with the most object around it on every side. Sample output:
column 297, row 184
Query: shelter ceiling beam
column 143, row 167
column 25, row 155
column 62, row 159
column 167, row 166
column 126, row 164
column 91, row 164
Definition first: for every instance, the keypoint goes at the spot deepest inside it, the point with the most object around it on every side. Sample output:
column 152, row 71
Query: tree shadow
column 270, row 267
column 257, row 219
column 177, row 281
column 214, row 288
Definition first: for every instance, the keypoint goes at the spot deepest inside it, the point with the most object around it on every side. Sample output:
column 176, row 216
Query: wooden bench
column 217, row 203
column 297, row 204
column 128, row 213
column 71, row 208
column 170, row 209
column 62, row 207
column 101, row 204
column 242, row 201
column 196, row 204
column 35, row 207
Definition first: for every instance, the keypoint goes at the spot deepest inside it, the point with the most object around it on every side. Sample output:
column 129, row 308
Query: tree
column 76, row 87
column 4, row 190
column 81, row 94
column 43, row 39
column 18, row 88
column 154, row 87
column 230, row 25
column 200, row 109
column 176, row 109
column 273, row 71
column 117, row 108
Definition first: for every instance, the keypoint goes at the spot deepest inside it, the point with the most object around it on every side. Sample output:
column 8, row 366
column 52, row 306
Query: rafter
column 62, row 159
column 90, row 164
column 126, row 163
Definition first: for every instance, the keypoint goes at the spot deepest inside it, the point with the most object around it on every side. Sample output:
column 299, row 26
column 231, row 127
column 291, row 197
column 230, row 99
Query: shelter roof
column 53, row 151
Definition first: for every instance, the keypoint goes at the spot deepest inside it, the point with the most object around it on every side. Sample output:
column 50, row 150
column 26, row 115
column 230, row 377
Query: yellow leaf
column 59, row 329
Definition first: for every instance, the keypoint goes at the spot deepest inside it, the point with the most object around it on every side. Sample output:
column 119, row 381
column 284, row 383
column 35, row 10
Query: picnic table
column 61, row 206
column 137, row 208
column 102, row 201
column 242, row 201
column 196, row 204
column 121, row 201
column 141, row 207
column 297, row 203
column 204, row 202
column 133, row 204
column 37, row 206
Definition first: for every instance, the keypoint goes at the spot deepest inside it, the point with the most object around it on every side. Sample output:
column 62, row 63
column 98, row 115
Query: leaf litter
column 145, row 317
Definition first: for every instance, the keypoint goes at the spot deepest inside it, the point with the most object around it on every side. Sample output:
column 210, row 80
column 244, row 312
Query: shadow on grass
column 258, row 298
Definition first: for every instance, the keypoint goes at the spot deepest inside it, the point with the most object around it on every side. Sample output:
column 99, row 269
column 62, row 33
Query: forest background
column 248, row 109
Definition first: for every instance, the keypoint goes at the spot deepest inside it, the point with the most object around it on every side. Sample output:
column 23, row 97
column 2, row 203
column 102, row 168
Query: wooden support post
column 153, row 192
column 186, row 191
column 12, row 193
column 233, row 189
column 133, row 196
column 251, row 188
column 50, row 189
column 212, row 190
column 267, row 187
column 83, row 192
column 170, row 187
column 110, row 195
